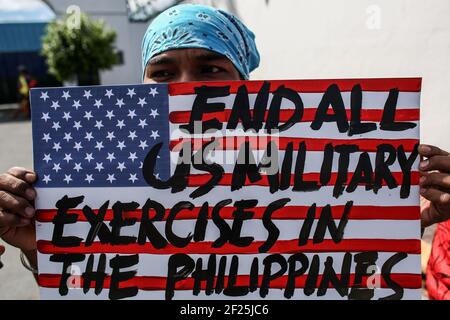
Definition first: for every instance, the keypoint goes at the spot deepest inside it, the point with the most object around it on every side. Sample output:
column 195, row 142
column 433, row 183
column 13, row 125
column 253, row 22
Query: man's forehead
column 173, row 56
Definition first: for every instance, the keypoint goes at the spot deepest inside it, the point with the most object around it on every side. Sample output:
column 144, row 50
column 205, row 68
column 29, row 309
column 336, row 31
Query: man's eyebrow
column 160, row 60
column 210, row 56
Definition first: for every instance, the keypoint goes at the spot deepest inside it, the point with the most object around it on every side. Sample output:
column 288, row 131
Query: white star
column 132, row 156
column 120, row 124
column 132, row 135
column 47, row 158
column 142, row 102
column 46, row 137
column 157, row 176
column 154, row 134
column 78, row 167
column 46, row 179
column 55, row 105
column 109, row 93
column 56, row 126
column 142, row 123
column 131, row 114
column 77, row 125
column 154, row 113
column 143, row 144
column 87, row 94
column 109, row 114
column 78, row 146
column 133, row 177
column 153, row 92
column 56, row 146
column 67, row 178
column 110, row 157
column 110, row 136
column 44, row 95
column 131, row 93
column 98, row 103
column 120, row 103
column 66, row 95
column 88, row 115
column 56, row 167
column 76, row 104
column 98, row 124
column 141, row 165
column 67, row 157
column 121, row 145
column 89, row 178
column 99, row 166
column 111, row 178
column 99, row 145
column 121, row 166
column 89, row 136
column 67, row 116
column 45, row 116
column 89, row 157
column 67, row 136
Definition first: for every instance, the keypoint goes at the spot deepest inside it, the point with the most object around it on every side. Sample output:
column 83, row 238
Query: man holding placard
column 195, row 43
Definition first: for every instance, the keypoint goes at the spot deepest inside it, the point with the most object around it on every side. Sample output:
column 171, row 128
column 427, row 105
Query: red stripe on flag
column 312, row 144
column 285, row 213
column 305, row 86
column 179, row 117
column 281, row 246
column 148, row 283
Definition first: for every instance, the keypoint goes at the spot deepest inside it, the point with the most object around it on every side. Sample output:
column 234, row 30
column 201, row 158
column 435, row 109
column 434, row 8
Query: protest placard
column 296, row 189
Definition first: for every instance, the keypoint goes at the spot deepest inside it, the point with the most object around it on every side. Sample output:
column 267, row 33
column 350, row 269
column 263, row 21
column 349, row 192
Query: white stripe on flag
column 159, row 263
column 370, row 100
column 289, row 229
column 96, row 197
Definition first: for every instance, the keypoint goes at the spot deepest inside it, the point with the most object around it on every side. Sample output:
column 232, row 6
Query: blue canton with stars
column 98, row 136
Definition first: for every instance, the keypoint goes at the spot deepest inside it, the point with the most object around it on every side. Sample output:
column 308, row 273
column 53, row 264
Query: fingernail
column 425, row 148
column 29, row 177
column 424, row 164
column 422, row 179
column 29, row 211
column 30, row 194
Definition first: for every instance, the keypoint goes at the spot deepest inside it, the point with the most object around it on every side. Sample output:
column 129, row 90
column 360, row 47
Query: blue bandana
column 202, row 27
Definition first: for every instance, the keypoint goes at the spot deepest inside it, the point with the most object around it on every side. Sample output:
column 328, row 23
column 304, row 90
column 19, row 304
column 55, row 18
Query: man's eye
column 211, row 69
column 160, row 74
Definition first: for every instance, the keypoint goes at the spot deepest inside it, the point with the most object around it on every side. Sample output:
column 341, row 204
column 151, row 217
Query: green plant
column 77, row 50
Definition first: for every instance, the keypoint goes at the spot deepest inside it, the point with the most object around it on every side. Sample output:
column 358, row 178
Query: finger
column 437, row 197
column 430, row 151
column 27, row 175
column 8, row 219
column 440, row 163
column 435, row 179
column 16, row 186
column 16, row 204
column 429, row 217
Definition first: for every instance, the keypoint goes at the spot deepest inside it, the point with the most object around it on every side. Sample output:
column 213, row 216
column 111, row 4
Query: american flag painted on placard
column 92, row 141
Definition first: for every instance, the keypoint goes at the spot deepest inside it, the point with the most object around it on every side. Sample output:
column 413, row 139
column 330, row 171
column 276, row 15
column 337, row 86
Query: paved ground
column 15, row 143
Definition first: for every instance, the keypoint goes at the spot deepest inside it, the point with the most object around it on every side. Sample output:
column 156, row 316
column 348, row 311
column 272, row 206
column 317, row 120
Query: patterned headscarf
column 202, row 27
